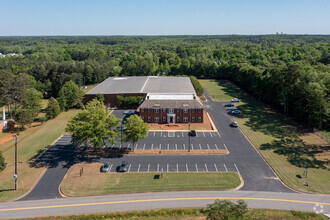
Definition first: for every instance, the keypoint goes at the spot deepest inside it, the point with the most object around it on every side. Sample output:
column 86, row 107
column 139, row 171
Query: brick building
column 166, row 99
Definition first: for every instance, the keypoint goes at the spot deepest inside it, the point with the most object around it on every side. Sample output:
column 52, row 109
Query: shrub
column 2, row 162
column 128, row 102
column 53, row 108
column 224, row 209
column 198, row 87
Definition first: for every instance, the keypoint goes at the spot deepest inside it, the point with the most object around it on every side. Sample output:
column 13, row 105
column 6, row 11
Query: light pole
column 15, row 175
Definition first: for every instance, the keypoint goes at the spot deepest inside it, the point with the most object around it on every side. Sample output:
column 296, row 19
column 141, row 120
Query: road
column 143, row 201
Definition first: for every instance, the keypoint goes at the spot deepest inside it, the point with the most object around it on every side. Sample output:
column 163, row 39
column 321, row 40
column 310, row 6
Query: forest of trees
column 289, row 72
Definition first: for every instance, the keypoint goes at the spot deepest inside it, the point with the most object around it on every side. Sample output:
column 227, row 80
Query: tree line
column 288, row 72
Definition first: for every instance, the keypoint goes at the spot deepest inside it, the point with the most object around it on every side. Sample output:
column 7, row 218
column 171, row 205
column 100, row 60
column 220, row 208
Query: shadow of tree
column 298, row 152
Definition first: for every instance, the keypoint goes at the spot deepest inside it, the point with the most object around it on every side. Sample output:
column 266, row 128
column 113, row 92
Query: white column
column 4, row 114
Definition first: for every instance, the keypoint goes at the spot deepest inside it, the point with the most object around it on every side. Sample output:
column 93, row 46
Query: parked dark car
column 123, row 167
column 235, row 112
column 193, row 133
column 229, row 105
column 105, row 168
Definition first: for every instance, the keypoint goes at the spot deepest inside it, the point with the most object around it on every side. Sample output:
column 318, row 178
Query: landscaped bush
column 128, row 102
column 198, row 87
column 2, row 162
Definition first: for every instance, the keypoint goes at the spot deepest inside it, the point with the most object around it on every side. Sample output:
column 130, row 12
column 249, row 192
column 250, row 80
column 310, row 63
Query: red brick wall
column 180, row 114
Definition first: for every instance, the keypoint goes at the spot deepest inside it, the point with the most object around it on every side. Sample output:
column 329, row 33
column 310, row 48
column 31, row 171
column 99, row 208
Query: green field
column 191, row 214
column 92, row 182
column 278, row 140
column 32, row 141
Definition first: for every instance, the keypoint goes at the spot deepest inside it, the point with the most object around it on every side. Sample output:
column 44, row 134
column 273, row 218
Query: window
column 200, row 119
column 192, row 110
column 156, row 119
column 185, row 110
column 156, row 110
column 171, row 111
column 185, row 119
column 177, row 119
column 149, row 119
column 142, row 109
column 164, row 109
column 192, row 119
column 199, row 110
column 177, row 110
column 149, row 109
column 164, row 119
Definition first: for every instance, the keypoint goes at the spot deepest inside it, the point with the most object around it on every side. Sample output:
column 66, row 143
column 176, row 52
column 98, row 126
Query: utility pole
column 15, row 176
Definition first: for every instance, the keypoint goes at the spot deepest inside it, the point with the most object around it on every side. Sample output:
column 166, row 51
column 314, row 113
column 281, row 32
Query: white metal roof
column 171, row 96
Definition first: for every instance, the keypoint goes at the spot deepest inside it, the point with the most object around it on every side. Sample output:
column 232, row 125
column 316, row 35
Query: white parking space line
column 216, row 168
column 154, row 134
column 208, row 146
column 177, row 168
column 219, row 135
column 187, row 167
column 225, row 167
column 129, row 167
column 225, row 147
column 167, row 168
column 148, row 166
column 168, row 146
column 113, row 145
column 120, row 145
column 176, row 146
column 196, row 167
column 211, row 134
column 160, row 146
column 236, row 168
column 204, row 134
column 192, row 146
column 161, row 134
column 136, row 146
column 216, row 146
column 196, row 134
column 206, row 168
column 144, row 146
column 158, row 167
column 182, row 134
column 128, row 145
column 152, row 146
column 184, row 147
column 200, row 147
column 139, row 168
column 110, row 168
column 147, row 134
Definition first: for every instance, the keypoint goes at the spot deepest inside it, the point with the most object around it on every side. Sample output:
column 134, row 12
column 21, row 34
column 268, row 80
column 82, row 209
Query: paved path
column 143, row 201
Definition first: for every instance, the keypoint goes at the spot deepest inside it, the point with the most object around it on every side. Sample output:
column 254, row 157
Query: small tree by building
column 100, row 97
column 94, row 125
column 135, row 130
column 2, row 162
column 70, row 96
column 224, row 209
column 53, row 108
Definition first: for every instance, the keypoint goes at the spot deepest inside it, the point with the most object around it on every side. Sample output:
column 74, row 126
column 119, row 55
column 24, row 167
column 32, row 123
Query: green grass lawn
column 191, row 214
column 32, row 141
column 278, row 140
column 93, row 182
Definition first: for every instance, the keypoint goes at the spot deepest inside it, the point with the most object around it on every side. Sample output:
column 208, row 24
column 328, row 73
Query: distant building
column 166, row 99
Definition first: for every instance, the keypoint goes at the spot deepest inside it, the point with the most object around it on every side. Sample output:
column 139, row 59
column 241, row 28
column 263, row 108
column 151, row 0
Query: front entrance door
column 171, row 119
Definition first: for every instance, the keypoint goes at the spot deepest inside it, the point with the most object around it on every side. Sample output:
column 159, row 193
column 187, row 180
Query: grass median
column 287, row 148
column 31, row 143
column 93, row 182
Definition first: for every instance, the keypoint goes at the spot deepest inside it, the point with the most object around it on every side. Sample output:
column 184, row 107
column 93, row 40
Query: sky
column 163, row 17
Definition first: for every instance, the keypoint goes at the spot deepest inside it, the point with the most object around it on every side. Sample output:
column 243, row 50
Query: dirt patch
column 171, row 127
column 7, row 138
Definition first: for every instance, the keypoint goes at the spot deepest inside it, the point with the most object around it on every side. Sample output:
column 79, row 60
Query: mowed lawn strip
column 263, row 126
column 32, row 141
column 93, row 182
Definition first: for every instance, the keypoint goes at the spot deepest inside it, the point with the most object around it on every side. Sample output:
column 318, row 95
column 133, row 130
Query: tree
column 70, row 95
column 224, row 209
column 2, row 162
column 135, row 130
column 53, row 108
column 100, row 97
column 94, row 125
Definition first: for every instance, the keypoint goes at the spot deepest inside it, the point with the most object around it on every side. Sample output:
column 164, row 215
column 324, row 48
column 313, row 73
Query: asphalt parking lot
column 179, row 140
